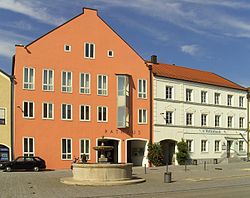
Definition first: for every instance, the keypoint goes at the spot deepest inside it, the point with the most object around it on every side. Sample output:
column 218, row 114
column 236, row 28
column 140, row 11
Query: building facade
column 5, row 116
column 205, row 110
column 76, row 85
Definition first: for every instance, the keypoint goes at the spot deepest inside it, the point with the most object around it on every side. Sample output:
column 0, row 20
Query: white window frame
column 89, row 57
column 28, row 153
column 48, row 85
column 102, row 107
column 143, row 119
column 71, row 113
column 112, row 55
column 204, row 148
column 241, row 147
column 217, row 149
column 215, row 121
column 169, row 117
column 204, row 120
column 69, row 88
column 229, row 100
column 83, row 88
column 4, row 115
column 203, row 97
column 103, row 90
column 241, row 101
column 241, row 122
column 188, row 119
column 143, row 93
column 230, row 121
column 29, row 117
column 169, row 93
column 31, row 85
column 67, row 50
column 48, row 104
column 80, row 111
column 66, row 153
column 190, row 145
column 189, row 95
column 80, row 147
column 216, row 98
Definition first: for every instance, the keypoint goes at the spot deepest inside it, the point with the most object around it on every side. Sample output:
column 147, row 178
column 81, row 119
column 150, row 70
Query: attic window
column 110, row 53
column 67, row 48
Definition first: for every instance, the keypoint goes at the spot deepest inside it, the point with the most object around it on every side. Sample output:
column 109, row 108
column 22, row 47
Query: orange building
column 76, row 84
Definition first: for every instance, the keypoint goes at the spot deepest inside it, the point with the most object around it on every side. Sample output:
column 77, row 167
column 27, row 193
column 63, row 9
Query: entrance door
column 112, row 155
column 229, row 144
column 135, row 152
column 168, row 148
column 4, row 153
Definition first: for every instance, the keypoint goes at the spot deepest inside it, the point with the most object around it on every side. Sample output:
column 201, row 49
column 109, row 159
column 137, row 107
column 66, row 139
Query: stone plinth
column 102, row 174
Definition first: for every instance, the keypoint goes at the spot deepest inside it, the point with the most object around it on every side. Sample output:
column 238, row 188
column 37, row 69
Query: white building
column 206, row 110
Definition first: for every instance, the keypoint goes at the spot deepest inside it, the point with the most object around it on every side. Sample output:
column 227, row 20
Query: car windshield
column 20, row 159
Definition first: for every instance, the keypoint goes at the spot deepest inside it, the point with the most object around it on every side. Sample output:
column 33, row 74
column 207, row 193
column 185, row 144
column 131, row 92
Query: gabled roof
column 193, row 75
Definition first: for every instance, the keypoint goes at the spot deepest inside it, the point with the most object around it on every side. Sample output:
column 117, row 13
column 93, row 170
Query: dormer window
column 110, row 53
column 67, row 48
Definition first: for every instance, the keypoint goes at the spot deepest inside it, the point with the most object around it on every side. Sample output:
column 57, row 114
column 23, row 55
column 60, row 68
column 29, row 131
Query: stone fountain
column 103, row 172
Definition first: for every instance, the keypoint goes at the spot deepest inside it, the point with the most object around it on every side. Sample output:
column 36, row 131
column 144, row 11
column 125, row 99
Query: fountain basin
column 102, row 174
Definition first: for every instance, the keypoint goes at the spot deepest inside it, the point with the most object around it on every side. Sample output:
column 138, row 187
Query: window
column 229, row 100
column 203, row 97
column 204, row 146
column 28, row 146
column 66, row 149
column 67, row 48
column 190, row 145
column 189, row 118
column 169, row 93
column 241, row 146
column 85, row 148
column 203, row 119
column 216, row 98
column 28, row 109
column 2, row 116
column 142, row 116
column 110, row 53
column 28, row 78
column 102, row 114
column 217, row 145
column 85, row 83
column 89, row 50
column 142, row 89
column 241, row 122
column 229, row 121
column 217, row 121
column 189, row 95
column 66, row 112
column 169, row 117
column 85, row 113
column 48, row 80
column 102, row 88
column 241, row 101
column 48, row 111
column 66, row 81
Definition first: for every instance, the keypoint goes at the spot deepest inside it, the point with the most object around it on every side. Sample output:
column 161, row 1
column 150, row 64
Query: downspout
column 12, row 80
column 151, row 104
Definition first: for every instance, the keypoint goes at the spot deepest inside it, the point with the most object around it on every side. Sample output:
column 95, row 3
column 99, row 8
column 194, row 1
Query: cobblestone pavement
column 47, row 183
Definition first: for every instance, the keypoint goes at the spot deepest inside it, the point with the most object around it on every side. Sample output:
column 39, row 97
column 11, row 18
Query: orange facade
column 64, row 50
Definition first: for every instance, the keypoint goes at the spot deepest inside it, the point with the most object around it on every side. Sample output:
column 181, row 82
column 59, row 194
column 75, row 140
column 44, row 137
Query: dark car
column 24, row 163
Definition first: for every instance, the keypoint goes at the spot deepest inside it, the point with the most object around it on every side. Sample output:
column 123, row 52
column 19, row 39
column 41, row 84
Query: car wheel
column 8, row 169
column 36, row 169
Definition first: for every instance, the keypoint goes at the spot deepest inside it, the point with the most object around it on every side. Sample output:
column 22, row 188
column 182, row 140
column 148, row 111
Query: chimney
column 154, row 59
column 89, row 10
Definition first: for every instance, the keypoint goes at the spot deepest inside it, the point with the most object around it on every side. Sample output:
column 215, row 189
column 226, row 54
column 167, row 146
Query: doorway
column 168, row 148
column 136, row 152
column 111, row 155
column 229, row 145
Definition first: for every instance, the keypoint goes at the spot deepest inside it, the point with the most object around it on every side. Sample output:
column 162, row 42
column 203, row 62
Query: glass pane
column 87, row 112
column 25, row 145
column 31, row 113
column 45, row 110
column 91, row 50
column 87, row 146
column 140, row 116
column 87, row 80
column 121, row 86
column 50, row 110
column 25, row 74
column 69, row 112
column 69, row 79
column 69, row 146
column 45, row 76
column 82, row 80
column 86, row 50
column 25, row 109
column 82, row 113
column 31, row 75
column 31, row 145
column 64, row 145
column 64, row 78
column 99, row 113
column 99, row 82
column 104, row 114
column 64, row 111
column 50, row 77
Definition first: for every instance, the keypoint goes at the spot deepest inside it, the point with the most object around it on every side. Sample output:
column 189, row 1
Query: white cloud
column 190, row 49
column 33, row 9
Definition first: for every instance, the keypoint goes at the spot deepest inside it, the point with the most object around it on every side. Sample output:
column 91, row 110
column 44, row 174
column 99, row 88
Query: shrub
column 182, row 155
column 155, row 155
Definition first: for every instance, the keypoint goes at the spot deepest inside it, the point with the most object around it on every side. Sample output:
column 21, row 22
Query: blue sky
column 212, row 35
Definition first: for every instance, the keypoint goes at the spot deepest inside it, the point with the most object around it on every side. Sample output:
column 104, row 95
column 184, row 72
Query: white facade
column 175, row 119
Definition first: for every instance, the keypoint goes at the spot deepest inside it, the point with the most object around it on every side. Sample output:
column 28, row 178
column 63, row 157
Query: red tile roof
column 193, row 75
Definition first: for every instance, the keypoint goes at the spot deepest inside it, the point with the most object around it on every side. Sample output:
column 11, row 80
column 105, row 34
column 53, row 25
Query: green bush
column 155, row 154
column 182, row 155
